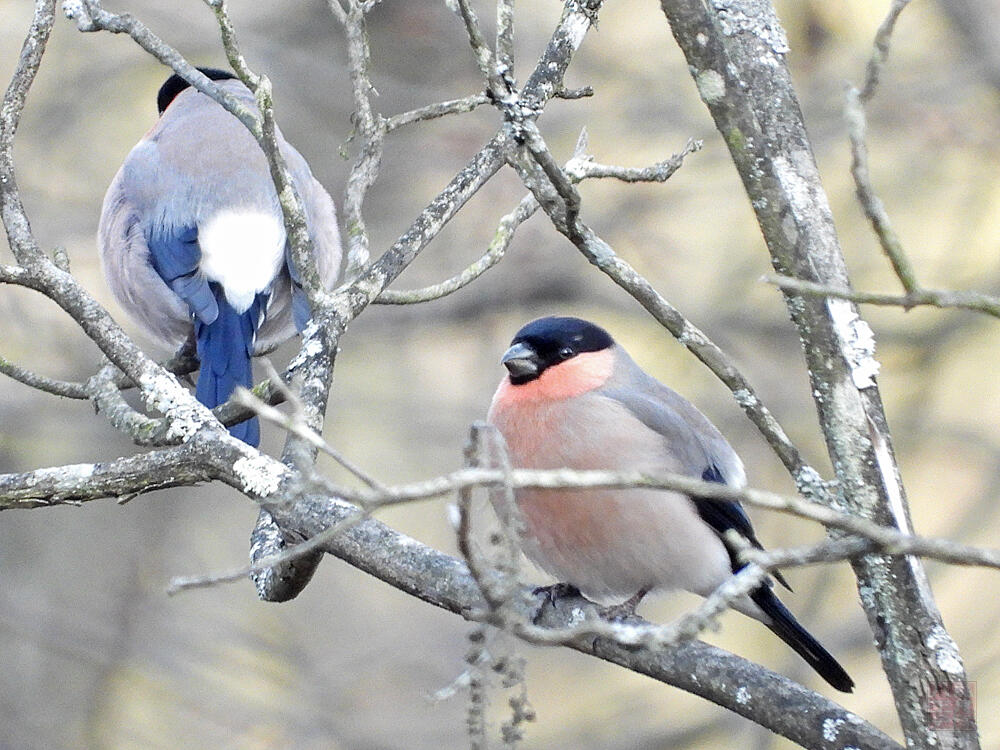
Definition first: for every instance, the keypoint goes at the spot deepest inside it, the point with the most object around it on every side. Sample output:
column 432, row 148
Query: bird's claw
column 625, row 610
column 549, row 595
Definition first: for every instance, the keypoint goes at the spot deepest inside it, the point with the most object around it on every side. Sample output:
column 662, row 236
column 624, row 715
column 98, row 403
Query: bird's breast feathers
column 610, row 543
column 590, row 431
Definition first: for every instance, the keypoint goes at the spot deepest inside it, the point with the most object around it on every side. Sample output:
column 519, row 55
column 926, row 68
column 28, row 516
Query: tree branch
column 941, row 298
column 735, row 53
column 727, row 680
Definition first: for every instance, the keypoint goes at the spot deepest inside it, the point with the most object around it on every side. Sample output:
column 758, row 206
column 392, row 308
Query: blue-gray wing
column 128, row 267
column 696, row 445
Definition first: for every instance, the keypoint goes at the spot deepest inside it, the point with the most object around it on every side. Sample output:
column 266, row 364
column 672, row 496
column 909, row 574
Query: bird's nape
column 175, row 85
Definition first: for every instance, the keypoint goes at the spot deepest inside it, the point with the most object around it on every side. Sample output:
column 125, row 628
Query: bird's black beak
column 521, row 361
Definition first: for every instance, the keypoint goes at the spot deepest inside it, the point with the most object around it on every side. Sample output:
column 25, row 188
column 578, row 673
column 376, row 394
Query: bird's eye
column 566, row 352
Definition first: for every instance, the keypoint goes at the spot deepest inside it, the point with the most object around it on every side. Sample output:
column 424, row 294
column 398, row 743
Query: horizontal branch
column 31, row 379
column 433, row 111
column 123, row 478
column 974, row 301
column 730, row 681
column 584, row 168
column 888, row 539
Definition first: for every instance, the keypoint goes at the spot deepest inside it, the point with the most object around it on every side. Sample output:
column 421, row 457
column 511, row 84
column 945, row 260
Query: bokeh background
column 93, row 654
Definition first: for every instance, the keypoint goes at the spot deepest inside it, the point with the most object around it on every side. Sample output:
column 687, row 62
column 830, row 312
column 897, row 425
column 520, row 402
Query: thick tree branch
column 735, row 52
column 728, row 680
column 181, row 466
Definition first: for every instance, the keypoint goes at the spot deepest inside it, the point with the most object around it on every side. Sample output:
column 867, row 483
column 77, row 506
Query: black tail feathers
column 788, row 629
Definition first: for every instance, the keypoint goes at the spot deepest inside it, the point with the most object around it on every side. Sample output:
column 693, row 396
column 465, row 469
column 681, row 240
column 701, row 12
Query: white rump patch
column 242, row 251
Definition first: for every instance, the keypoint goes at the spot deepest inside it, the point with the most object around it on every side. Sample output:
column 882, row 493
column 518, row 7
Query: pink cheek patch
column 575, row 376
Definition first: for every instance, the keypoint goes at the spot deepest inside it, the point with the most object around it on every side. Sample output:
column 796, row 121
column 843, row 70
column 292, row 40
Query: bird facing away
column 574, row 398
column 192, row 238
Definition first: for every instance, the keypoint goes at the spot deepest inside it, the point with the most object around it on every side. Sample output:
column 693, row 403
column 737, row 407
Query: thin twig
column 370, row 125
column 263, row 564
column 296, row 425
column 872, row 205
column 493, row 255
column 505, row 40
column 41, row 382
column 880, row 53
column 433, row 111
column 480, row 49
column 15, row 220
column 586, row 168
column 974, row 301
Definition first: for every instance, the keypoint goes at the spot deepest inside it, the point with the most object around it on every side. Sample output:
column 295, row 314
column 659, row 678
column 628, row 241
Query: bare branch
column 369, row 124
column 494, row 254
column 107, row 397
column 622, row 273
column 856, row 127
column 296, row 424
column 159, row 389
column 481, row 50
column 90, row 17
column 544, row 83
column 42, row 383
column 15, row 488
column 264, row 564
column 127, row 477
column 941, row 298
column 691, row 665
column 578, row 168
column 505, row 40
column 581, row 169
column 433, row 111
column 15, row 220
column 880, row 53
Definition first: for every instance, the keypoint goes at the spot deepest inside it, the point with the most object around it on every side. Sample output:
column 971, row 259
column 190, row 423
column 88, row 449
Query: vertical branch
column 505, row 39
column 15, row 220
column 369, row 124
column 292, row 209
column 854, row 112
column 735, row 52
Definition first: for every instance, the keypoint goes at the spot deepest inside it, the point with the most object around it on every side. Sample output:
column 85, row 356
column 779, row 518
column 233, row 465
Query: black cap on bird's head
column 548, row 341
column 175, row 85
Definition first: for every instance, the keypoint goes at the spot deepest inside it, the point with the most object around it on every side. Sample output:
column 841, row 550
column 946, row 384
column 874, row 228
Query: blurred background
column 95, row 655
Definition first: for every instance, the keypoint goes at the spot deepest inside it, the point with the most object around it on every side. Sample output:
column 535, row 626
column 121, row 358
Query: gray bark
column 736, row 55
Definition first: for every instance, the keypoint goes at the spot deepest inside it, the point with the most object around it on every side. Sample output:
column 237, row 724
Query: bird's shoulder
column 683, row 428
